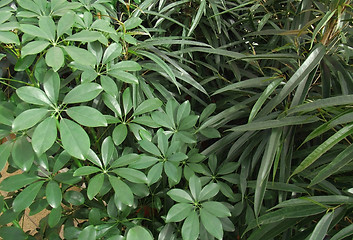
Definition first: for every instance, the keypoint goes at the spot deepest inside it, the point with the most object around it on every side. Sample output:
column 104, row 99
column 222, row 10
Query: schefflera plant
column 202, row 215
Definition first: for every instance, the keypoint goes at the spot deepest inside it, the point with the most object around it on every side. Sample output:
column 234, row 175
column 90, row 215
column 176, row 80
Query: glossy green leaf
column 51, row 85
column 132, row 175
column 33, row 95
column 81, row 55
column 112, row 52
column 150, row 147
column 123, row 76
column 107, row 150
column 55, row 58
column 74, row 139
column 132, row 22
column 5, row 150
column 34, row 48
column 127, row 66
column 88, row 233
column 83, row 93
column 119, row 134
column 125, row 160
column 22, row 153
column 33, row 30
column 9, row 37
column 211, row 223
column 343, row 233
column 47, row 24
column 171, row 170
column 316, row 200
column 122, row 190
column 137, row 233
column 65, row 23
column 26, row 197
column 61, row 160
column 217, row 209
column 191, row 227
column 53, row 194
column 179, row 212
column 87, row 116
column 28, row 119
column 74, row 197
column 85, row 36
column 54, row 216
column 195, row 186
column 148, row 105
column 86, row 170
column 12, row 233
column 179, row 195
column 109, row 86
column 155, row 173
column 17, row 181
column 95, row 185
column 322, row 226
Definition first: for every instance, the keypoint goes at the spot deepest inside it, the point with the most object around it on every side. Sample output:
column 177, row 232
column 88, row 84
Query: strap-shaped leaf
column 322, row 226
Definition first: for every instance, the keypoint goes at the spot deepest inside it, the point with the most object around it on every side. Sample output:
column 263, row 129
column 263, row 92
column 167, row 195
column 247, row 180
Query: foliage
column 177, row 119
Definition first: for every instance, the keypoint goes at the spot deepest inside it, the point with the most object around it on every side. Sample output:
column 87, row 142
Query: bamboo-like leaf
column 321, row 227
column 197, row 18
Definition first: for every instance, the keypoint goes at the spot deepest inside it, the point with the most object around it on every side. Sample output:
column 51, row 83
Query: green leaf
column 74, row 139
column 26, row 197
column 83, row 93
column 209, row 191
column 81, row 55
column 150, row 147
column 51, row 85
column 343, row 233
column 178, row 212
column 323, row 148
column 33, row 95
column 162, row 119
column 122, row 190
column 179, row 195
column 54, row 216
column 86, row 170
column 87, row 116
column 183, row 111
column 12, row 233
column 195, row 21
column 321, row 227
column 148, row 105
column 109, row 86
column 112, row 103
column 85, row 36
column 74, row 197
column 191, row 227
column 119, row 134
column 125, row 160
column 132, row 175
column 216, row 208
column 103, row 25
column 9, row 37
column 315, row 200
column 34, row 47
column 132, row 23
column 320, row 25
column 22, row 153
column 47, row 24
column 107, row 150
column 33, row 30
column 155, row 173
column 55, row 58
column 28, row 119
column 15, row 182
column 138, row 233
column 127, row 66
column 88, row 233
column 95, row 185
column 123, row 76
column 211, row 223
column 112, row 52
column 5, row 150
column 172, row 171
column 65, row 23
column 61, row 160
column 195, row 186
column 53, row 194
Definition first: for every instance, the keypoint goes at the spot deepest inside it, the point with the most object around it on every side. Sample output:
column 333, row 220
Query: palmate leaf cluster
column 181, row 119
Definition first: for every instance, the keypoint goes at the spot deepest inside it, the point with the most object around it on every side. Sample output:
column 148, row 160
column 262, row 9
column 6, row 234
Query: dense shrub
column 177, row 119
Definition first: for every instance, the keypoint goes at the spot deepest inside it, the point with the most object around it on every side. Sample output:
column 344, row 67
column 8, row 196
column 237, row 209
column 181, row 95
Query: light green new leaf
column 191, row 227
column 65, row 23
column 148, row 105
column 321, row 227
column 83, row 93
column 123, row 76
column 95, row 185
column 33, row 95
column 119, row 134
column 138, row 233
column 87, row 116
column 44, row 136
column 324, row 147
column 86, row 170
column 47, row 24
column 28, row 118
column 26, row 197
column 85, row 36
column 34, row 47
column 216, row 208
column 51, row 85
column 55, row 58
column 112, row 52
column 9, row 37
column 74, row 139
column 122, row 191
column 81, row 55
column 53, row 194
column 22, row 153
column 211, row 223
column 131, row 174
column 180, row 195
column 178, row 212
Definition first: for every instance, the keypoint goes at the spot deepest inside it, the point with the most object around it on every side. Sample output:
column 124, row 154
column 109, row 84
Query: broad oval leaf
column 28, row 118
column 148, row 105
column 131, row 174
column 149, row 147
column 15, row 182
column 74, row 197
column 179, row 212
column 211, row 223
column 122, row 190
column 132, row 22
column 86, row 170
column 209, row 191
column 54, row 216
column 22, row 153
column 119, row 134
column 127, row 66
column 112, row 52
column 180, row 195
column 26, row 197
column 53, row 194
column 51, row 85
column 191, row 227
column 123, row 76
column 33, row 95
column 85, row 36
column 216, row 208
column 55, row 58
column 83, row 93
column 138, row 233
column 74, row 139
column 81, row 55
column 87, row 116
column 95, row 185
column 34, row 47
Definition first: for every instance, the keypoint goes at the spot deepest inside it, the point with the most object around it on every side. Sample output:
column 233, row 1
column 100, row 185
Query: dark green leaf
column 191, row 227
column 179, row 195
column 55, row 58
column 211, row 223
column 138, row 233
column 53, row 194
column 122, row 191
column 74, row 197
column 95, row 185
column 26, row 197
column 148, row 105
column 119, row 134
column 86, row 170
column 15, row 182
column 88, row 233
column 23, row 154
column 217, row 209
column 123, row 76
column 178, row 212
column 132, row 175
column 54, row 216
column 81, row 55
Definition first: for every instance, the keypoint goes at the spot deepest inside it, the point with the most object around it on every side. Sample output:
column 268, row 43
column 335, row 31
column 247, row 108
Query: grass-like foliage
column 181, row 119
